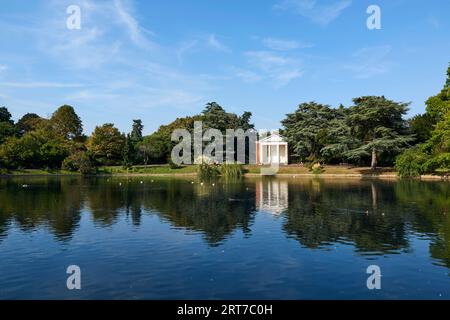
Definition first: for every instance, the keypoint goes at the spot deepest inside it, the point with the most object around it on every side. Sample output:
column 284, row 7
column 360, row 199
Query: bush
column 317, row 168
column 411, row 163
column 80, row 162
column 207, row 171
column 439, row 162
column 231, row 171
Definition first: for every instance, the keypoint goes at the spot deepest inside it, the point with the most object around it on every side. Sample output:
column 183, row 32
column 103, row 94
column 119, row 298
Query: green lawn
column 154, row 169
column 191, row 170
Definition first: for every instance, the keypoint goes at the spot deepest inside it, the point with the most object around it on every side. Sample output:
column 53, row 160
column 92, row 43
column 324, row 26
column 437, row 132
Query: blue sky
column 158, row 60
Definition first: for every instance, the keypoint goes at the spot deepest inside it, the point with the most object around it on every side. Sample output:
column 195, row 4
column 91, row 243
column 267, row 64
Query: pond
column 261, row 238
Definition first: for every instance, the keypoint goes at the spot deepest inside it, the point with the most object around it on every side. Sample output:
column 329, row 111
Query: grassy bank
column 250, row 170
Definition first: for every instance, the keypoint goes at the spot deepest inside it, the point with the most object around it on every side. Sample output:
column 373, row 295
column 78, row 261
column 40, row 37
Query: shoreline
column 247, row 175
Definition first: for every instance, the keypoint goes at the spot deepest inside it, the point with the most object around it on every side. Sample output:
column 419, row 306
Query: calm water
column 262, row 238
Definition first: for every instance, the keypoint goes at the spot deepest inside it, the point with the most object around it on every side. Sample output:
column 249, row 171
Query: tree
column 154, row 149
column 136, row 132
column 6, row 124
column 422, row 126
column 79, row 161
column 379, row 126
column 214, row 116
column 66, row 122
column 435, row 123
column 5, row 116
column 127, row 152
column 29, row 122
column 306, row 130
column 106, row 144
column 439, row 105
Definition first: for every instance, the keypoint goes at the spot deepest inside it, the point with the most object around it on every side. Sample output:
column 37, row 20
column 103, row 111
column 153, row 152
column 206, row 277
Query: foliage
column 206, row 171
column 411, row 163
column 106, row 144
column 29, row 122
column 153, row 149
column 436, row 148
column 317, row 168
column 214, row 116
column 378, row 124
column 5, row 116
column 79, row 162
column 65, row 122
column 231, row 170
column 136, row 132
column 440, row 162
column 421, row 126
column 306, row 130
column 6, row 125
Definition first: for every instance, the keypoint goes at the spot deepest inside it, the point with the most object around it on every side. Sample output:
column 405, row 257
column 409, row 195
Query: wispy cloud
column 216, row 44
column 200, row 43
column 434, row 21
column 32, row 85
column 136, row 32
column 246, row 76
column 284, row 45
column 278, row 68
column 3, row 67
column 369, row 62
column 319, row 11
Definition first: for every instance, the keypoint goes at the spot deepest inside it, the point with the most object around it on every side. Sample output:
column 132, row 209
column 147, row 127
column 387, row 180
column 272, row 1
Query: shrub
column 411, row 163
column 439, row 162
column 80, row 162
column 207, row 171
column 231, row 171
column 317, row 168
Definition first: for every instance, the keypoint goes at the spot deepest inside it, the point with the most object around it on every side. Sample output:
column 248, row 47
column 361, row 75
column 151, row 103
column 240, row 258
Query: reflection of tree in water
column 215, row 211
column 321, row 213
column 53, row 203
column 431, row 202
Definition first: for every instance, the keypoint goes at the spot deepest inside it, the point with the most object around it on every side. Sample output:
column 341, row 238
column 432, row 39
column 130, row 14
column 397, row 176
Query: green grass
column 160, row 169
column 18, row 172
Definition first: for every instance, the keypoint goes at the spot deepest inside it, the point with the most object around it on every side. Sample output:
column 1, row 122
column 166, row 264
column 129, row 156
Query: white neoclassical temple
column 272, row 149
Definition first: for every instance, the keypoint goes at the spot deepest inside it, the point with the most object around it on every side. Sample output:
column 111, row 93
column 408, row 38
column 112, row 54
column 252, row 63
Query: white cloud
column 216, row 44
column 284, row 45
column 246, row 76
column 369, row 62
column 32, row 85
column 317, row 11
column 279, row 69
column 135, row 31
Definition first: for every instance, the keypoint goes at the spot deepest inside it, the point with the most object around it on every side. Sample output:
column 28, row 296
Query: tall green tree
column 438, row 105
column 306, row 130
column 379, row 125
column 66, row 122
column 154, row 149
column 422, row 126
column 6, row 124
column 29, row 122
column 136, row 132
column 106, row 144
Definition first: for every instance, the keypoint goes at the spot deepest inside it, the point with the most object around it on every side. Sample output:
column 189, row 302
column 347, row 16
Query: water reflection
column 271, row 195
column 374, row 217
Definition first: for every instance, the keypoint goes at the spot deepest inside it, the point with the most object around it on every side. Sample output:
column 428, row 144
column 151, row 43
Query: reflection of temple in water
column 272, row 195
